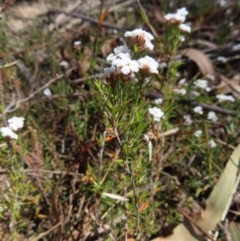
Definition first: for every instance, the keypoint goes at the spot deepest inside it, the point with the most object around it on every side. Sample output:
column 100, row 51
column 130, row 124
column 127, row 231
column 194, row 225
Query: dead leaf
column 29, row 159
column 201, row 59
column 203, row 42
column 102, row 18
column 159, row 15
column 109, row 45
column 217, row 205
column 232, row 85
column 115, row 196
column 85, row 63
column 234, row 230
column 227, row 85
column 218, row 202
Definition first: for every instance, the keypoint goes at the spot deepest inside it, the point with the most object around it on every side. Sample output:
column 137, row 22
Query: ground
column 127, row 155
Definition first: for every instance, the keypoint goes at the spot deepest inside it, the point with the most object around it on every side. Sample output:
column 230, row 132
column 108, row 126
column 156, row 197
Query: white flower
column 122, row 49
column 16, row 123
column 203, row 84
column 139, row 33
column 174, row 17
column 125, row 64
column 130, row 66
column 141, row 38
column 179, row 16
column 236, row 47
column 222, row 59
column 7, row 131
column 198, row 133
column 182, row 81
column 212, row 143
column 212, row 116
column 182, row 38
column 149, row 63
column 47, row 92
column 222, row 2
column 195, row 93
column 111, row 57
column 158, row 101
column 130, row 9
column 64, row 64
column 77, row 43
column 148, row 45
column 188, row 119
column 181, row 91
column 107, row 71
column 185, row 27
column 182, row 11
column 156, row 112
column 222, row 97
column 198, row 109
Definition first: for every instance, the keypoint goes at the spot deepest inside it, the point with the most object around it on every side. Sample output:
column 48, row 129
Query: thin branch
column 46, row 85
column 48, row 172
column 41, row 235
column 89, row 19
column 190, row 219
column 208, row 107
column 19, row 102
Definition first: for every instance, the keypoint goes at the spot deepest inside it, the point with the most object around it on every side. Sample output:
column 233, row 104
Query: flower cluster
column 64, row 64
column 179, row 18
column 198, row 84
column 222, row 97
column 198, row 110
column 212, row 116
column 122, row 62
column 47, row 92
column 156, row 112
column 212, row 143
column 14, row 124
column 188, row 119
column 181, row 91
column 198, row 133
column 202, row 84
column 140, row 38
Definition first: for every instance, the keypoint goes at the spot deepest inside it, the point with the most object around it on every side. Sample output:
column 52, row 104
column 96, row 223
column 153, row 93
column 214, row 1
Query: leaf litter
column 80, row 152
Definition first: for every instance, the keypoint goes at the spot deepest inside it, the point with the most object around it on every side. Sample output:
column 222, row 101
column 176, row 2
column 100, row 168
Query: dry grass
column 50, row 183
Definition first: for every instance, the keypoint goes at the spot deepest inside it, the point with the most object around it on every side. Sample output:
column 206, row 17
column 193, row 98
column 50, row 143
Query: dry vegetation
column 54, row 179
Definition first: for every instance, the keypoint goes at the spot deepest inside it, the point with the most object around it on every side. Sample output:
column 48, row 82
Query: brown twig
column 74, row 174
column 230, row 85
column 41, row 235
column 6, row 5
column 36, row 46
column 98, row 29
column 89, row 19
column 94, row 76
column 208, row 107
column 39, row 90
